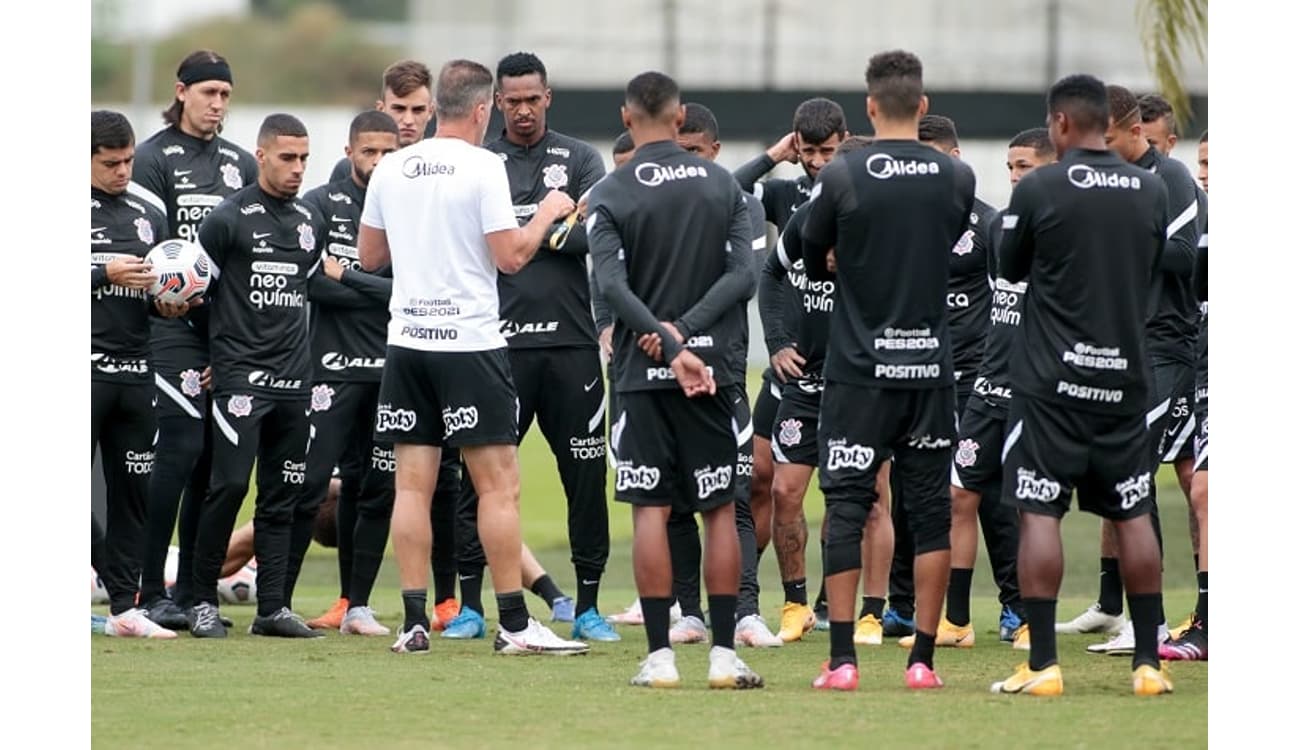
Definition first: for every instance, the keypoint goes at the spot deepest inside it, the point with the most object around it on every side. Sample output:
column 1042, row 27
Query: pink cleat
column 844, row 677
column 921, row 677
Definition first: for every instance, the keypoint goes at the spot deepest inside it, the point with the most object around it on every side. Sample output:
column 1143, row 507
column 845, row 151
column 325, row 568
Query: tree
column 1165, row 27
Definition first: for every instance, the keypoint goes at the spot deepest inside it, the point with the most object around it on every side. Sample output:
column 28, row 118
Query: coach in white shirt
column 440, row 211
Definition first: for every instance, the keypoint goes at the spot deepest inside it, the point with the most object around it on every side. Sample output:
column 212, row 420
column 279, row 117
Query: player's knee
column 965, row 504
column 931, row 523
column 844, row 523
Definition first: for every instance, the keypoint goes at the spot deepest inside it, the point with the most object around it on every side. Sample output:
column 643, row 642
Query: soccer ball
column 239, row 587
column 98, row 594
column 171, row 566
column 184, row 270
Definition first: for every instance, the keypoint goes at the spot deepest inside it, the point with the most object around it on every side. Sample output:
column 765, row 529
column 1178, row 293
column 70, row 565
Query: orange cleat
column 444, row 612
column 332, row 618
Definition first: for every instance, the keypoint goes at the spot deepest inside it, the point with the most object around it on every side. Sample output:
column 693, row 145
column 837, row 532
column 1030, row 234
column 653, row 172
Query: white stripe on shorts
column 597, row 419
column 170, row 392
column 1012, row 437
column 225, row 427
column 1157, row 412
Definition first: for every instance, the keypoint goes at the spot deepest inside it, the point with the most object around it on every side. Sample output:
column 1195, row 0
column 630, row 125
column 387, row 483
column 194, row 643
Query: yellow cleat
column 1177, row 632
column 1025, row 681
column 796, row 619
column 869, row 631
column 949, row 636
column 1020, row 641
column 1147, row 680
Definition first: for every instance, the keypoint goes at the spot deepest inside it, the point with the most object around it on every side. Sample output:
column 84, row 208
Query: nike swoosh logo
column 181, row 173
column 260, row 235
column 339, row 220
column 591, row 385
column 585, row 582
column 465, row 578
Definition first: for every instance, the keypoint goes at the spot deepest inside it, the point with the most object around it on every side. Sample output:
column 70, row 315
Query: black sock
column 1146, row 610
column 444, row 586
column 512, row 613
column 842, row 650
column 1040, row 614
column 959, row 596
column 471, row 589
column 820, row 605
column 1203, row 599
column 545, row 588
column 872, row 605
column 922, row 650
column 414, row 601
column 1111, row 597
column 655, row 611
column 796, row 591
column 722, row 616
column 588, row 589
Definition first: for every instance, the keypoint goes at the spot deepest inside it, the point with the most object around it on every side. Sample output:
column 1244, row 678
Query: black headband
column 204, row 71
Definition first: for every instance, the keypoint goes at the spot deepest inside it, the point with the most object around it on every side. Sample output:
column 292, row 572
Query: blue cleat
column 1007, row 627
column 590, row 626
column 97, row 623
column 821, row 620
column 897, row 626
column 562, row 609
column 468, row 624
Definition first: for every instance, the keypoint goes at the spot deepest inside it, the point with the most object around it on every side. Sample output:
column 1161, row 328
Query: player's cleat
column 97, row 623
column 753, row 631
column 1175, row 632
column 282, row 623
column 689, row 629
column 796, row 619
column 1147, row 680
column 949, row 636
column 630, row 616
column 1093, row 620
column 897, row 626
column 868, row 631
column 1194, row 645
column 361, row 621
column 443, row 613
column 166, row 613
column 413, row 641
column 822, row 619
column 332, row 618
column 1026, row 681
column 728, row 672
column 468, row 624
column 562, row 609
column 134, row 624
column 1008, row 624
column 205, row 621
column 658, row 670
column 844, row 677
column 590, row 626
column 1120, row 645
column 1020, row 641
column 536, row 639
column 921, row 677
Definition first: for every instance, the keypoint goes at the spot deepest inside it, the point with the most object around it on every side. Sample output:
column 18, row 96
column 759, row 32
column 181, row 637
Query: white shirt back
column 436, row 199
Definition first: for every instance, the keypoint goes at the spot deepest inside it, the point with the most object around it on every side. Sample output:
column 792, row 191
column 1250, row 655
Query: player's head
column 623, row 149
column 523, row 96
column 819, row 126
column 699, row 132
column 853, row 143
column 406, row 94
column 465, row 95
column 652, row 107
column 939, row 133
column 203, row 86
column 1203, row 161
column 1124, row 132
column 1029, row 150
column 894, row 89
column 1076, row 111
column 371, row 137
column 1158, row 124
column 112, row 149
column 281, row 154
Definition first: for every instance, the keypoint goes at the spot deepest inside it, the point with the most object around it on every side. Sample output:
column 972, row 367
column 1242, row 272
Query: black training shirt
column 120, row 225
column 968, row 293
column 1172, row 331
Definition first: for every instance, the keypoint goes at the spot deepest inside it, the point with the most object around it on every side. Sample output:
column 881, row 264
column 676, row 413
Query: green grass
column 351, row 692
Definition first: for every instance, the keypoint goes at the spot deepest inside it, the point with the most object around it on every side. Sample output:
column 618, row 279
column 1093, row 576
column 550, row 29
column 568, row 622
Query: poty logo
column 885, row 166
column 388, row 419
column 709, row 481
column 464, row 418
column 1030, row 487
column 1134, row 489
column 1083, row 176
column 843, row 456
column 653, row 175
column 416, row 166
column 629, row 477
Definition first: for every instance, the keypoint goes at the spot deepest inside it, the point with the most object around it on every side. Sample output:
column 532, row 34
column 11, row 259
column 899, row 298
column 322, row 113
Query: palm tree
column 1165, row 26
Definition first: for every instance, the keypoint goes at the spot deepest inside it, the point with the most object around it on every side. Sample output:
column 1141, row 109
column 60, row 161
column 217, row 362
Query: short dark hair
column 462, row 84
column 700, row 119
column 938, row 129
column 817, row 120
column 518, row 64
column 109, row 129
column 1083, row 98
column 1123, row 105
column 853, row 143
column 1036, row 138
column 652, row 92
column 1154, row 107
column 404, row 77
column 279, row 124
column 894, row 83
column 371, row 121
column 623, row 143
column 172, row 115
column 1205, row 137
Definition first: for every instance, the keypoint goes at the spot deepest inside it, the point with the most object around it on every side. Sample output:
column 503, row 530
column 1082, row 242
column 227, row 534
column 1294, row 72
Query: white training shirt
column 436, row 199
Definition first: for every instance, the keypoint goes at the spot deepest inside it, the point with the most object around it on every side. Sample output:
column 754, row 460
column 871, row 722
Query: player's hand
column 830, row 261
column 784, row 150
column 556, row 205
column 652, row 345
column 169, row 309
column 332, row 268
column 788, row 363
column 130, row 272
column 581, row 208
column 693, row 375
column 205, row 379
column 606, row 339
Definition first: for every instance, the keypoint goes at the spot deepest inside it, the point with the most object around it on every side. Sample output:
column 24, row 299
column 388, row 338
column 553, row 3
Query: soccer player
column 262, row 242
column 406, row 95
column 184, row 170
column 349, row 330
column 892, row 217
column 439, row 211
column 1159, row 126
column 670, row 235
column 1088, row 233
column 122, row 230
column 1203, row 161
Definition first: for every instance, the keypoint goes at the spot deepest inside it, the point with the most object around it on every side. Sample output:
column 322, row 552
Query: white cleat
column 633, row 615
column 659, row 670
column 728, row 672
column 134, row 624
column 689, row 629
column 536, row 639
column 361, row 621
column 1093, row 620
column 752, row 631
column 1124, row 642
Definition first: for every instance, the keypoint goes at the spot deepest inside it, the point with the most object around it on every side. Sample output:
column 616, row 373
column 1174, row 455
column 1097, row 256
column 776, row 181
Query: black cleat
column 282, row 623
column 204, row 621
column 165, row 613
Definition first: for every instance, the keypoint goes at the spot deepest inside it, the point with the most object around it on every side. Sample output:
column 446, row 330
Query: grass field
column 351, row 692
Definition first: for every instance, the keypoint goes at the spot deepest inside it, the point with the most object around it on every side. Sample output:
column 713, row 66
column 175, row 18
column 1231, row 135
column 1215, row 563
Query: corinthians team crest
column 144, row 230
column 322, row 397
column 791, row 432
column 231, row 176
column 967, row 453
column 306, row 239
column 240, row 406
column 555, row 176
column 966, row 243
column 190, row 383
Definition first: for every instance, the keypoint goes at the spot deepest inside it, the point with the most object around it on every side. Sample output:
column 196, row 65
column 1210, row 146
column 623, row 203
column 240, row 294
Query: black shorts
column 179, row 393
column 765, row 406
column 1051, row 450
column 977, row 459
column 447, row 398
column 795, row 430
column 675, row 451
column 1172, row 419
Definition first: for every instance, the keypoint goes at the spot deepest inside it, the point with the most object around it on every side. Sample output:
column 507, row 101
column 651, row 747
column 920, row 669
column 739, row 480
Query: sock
column 512, row 612
column 588, row 589
column 922, row 650
column 655, row 610
column 1203, row 599
column 722, row 616
column 444, row 586
column 796, row 591
column 471, row 589
column 1146, row 611
column 959, row 596
column 1040, row 614
column 545, row 588
column 872, row 605
column 842, row 650
column 820, row 605
column 1111, row 597
column 414, row 601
